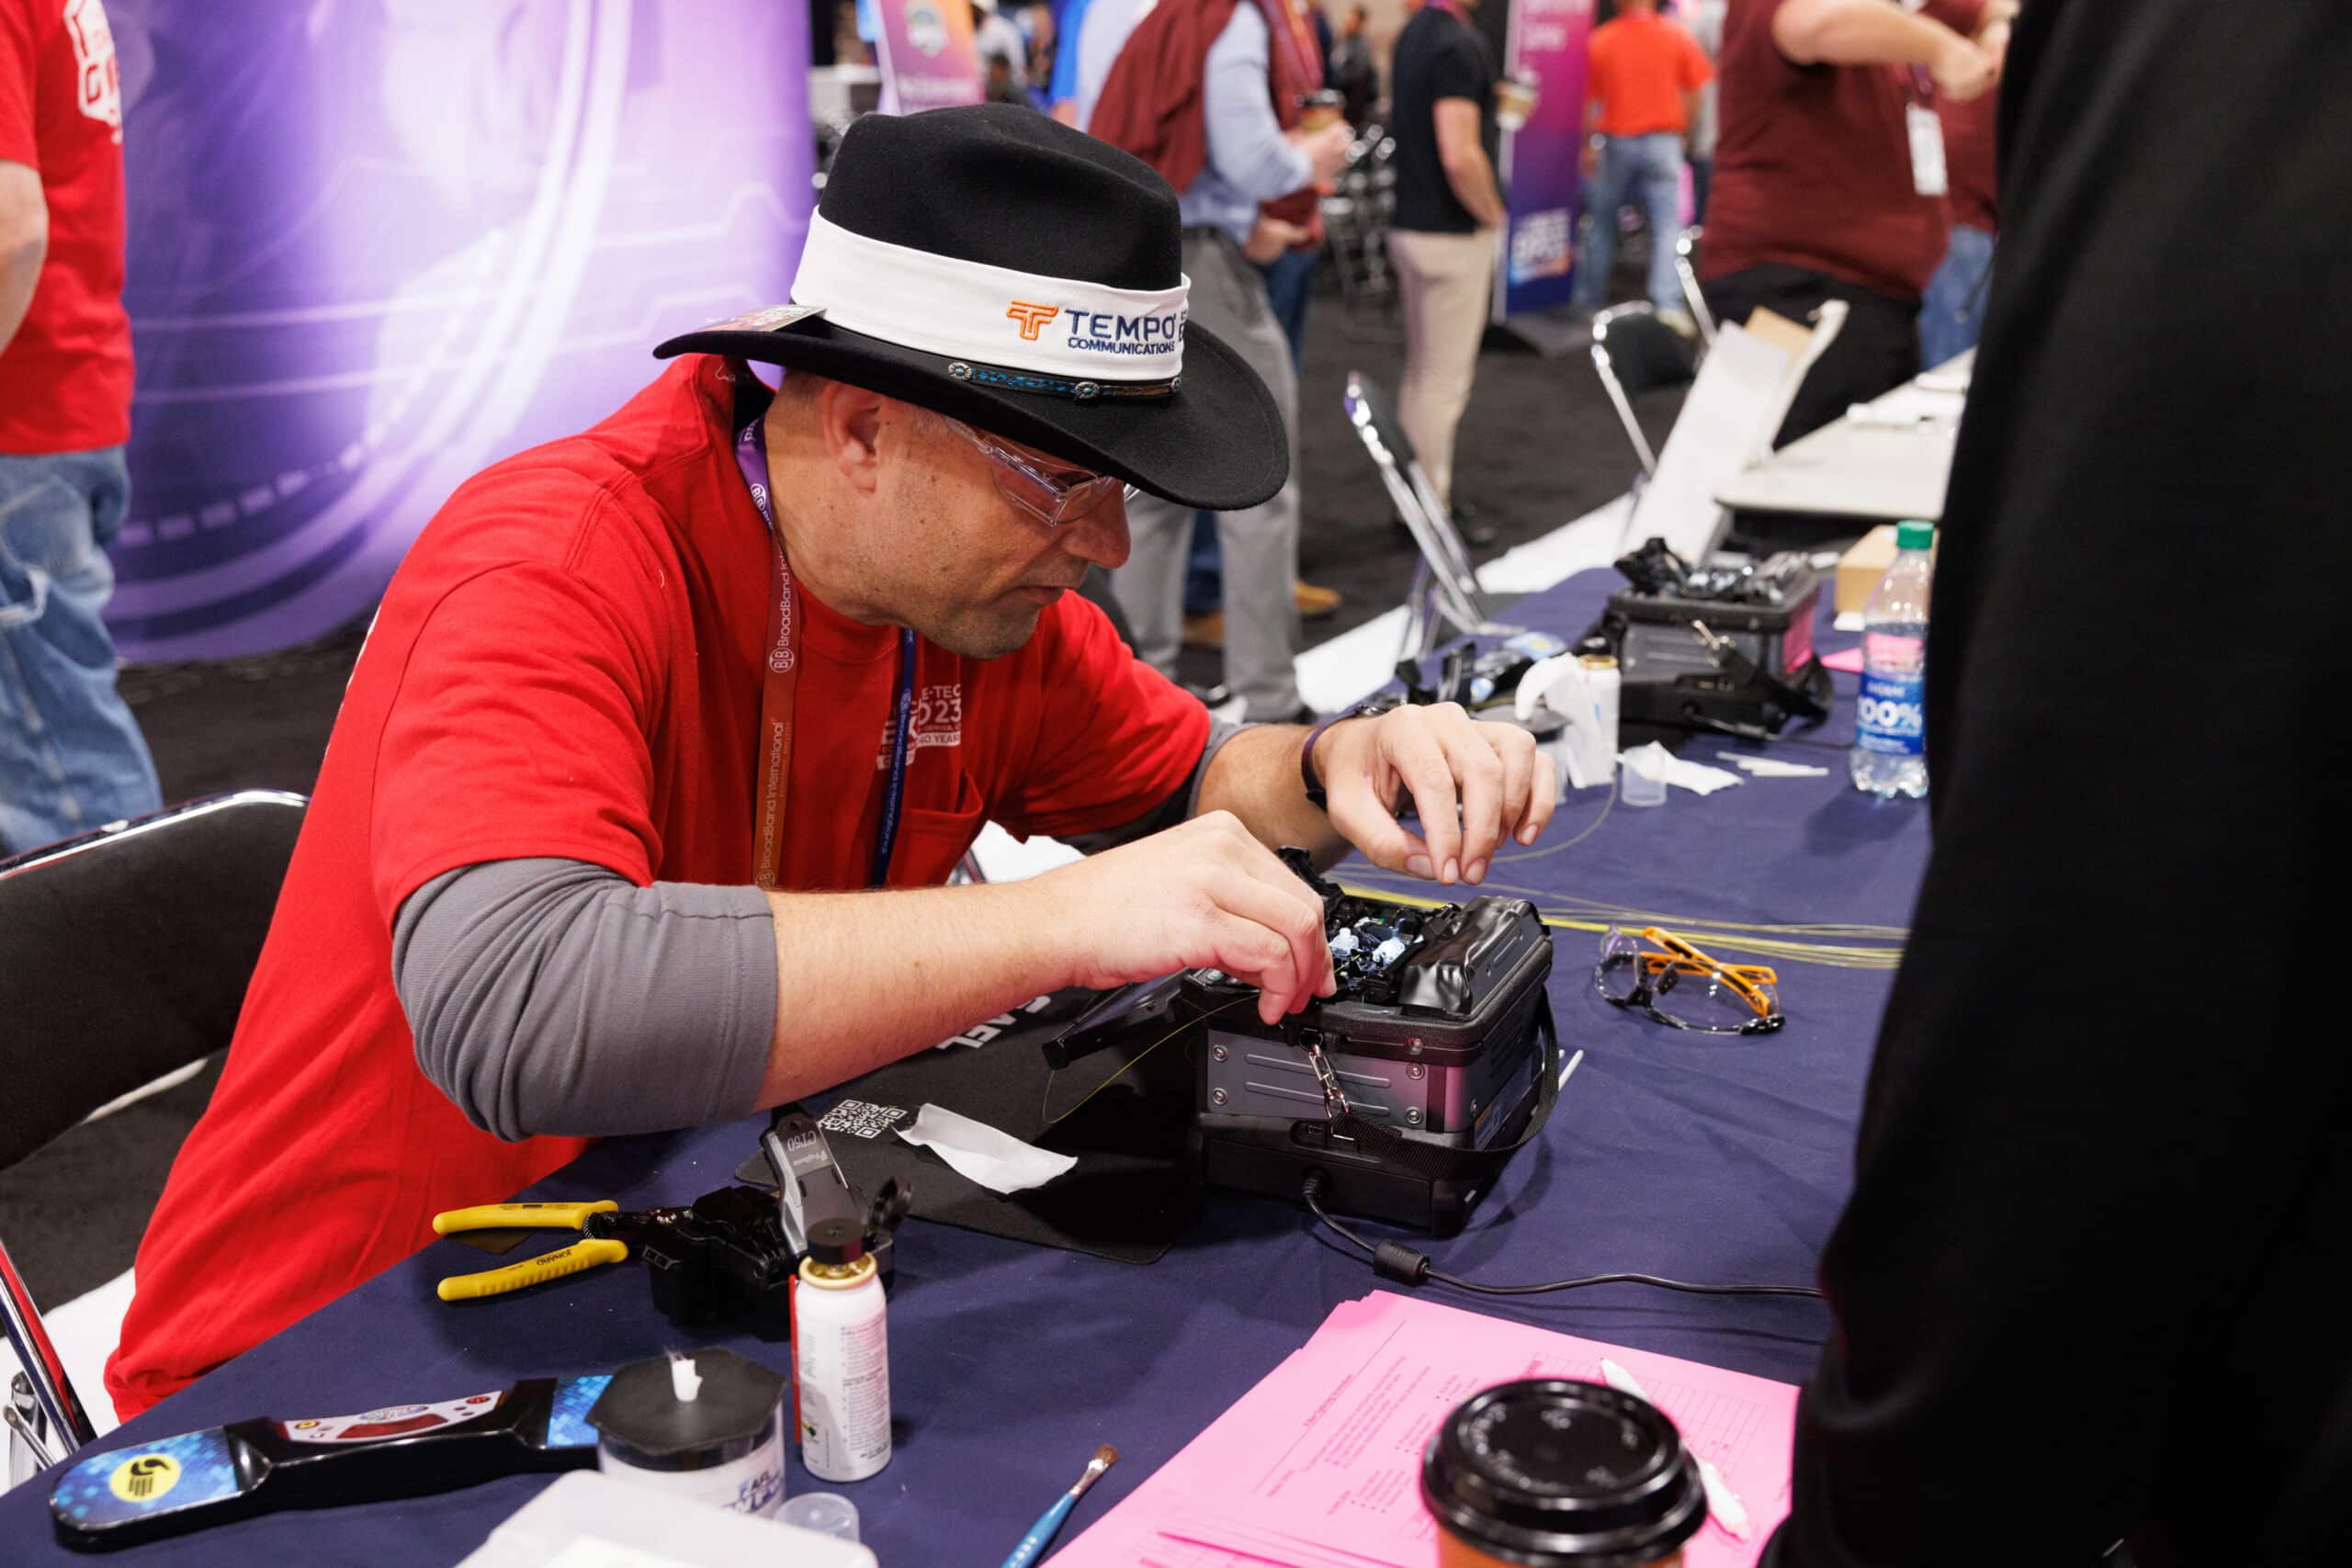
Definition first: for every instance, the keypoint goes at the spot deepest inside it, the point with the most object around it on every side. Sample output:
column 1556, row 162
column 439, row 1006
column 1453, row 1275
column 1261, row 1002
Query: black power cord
column 1394, row 1260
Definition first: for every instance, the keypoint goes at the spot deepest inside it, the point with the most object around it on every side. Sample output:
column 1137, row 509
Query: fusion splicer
column 1409, row 1089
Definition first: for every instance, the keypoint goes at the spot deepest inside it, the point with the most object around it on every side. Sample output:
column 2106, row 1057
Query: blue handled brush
column 1041, row 1535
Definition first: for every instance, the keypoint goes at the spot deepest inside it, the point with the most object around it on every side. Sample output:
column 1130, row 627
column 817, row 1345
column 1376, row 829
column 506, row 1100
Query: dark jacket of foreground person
column 2090, row 1284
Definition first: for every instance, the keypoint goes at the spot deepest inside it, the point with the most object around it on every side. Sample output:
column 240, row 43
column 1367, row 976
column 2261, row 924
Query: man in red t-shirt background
column 639, row 805
column 1829, row 177
column 71, row 755
column 1642, row 86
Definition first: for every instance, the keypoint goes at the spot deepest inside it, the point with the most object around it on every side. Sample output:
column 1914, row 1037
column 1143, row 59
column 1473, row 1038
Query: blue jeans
column 1952, row 312
column 1647, row 171
column 71, row 755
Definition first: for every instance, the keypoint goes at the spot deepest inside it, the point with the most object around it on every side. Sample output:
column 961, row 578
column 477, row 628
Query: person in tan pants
column 1448, row 209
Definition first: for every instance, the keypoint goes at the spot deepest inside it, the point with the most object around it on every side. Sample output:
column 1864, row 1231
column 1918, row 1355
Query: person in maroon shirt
column 1828, row 176
column 71, row 754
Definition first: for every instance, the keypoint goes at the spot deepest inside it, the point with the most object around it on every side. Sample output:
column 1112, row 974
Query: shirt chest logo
column 97, row 85
column 937, row 719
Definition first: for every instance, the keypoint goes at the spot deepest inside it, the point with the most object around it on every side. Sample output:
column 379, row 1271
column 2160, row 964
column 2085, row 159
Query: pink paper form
column 1318, row 1466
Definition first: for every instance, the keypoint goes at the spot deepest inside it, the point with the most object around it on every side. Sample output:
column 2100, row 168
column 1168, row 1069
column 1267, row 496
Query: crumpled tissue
column 1655, row 761
column 977, row 1152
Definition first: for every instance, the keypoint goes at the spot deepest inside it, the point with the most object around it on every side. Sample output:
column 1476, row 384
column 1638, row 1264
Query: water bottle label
column 1893, row 715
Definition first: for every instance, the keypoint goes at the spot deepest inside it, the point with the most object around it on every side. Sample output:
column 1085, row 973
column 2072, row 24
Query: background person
column 1449, row 214
column 1818, row 192
column 71, row 755
column 1951, row 308
column 1642, row 85
column 1207, row 92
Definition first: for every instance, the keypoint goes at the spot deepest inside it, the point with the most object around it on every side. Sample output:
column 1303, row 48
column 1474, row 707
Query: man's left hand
column 1473, row 784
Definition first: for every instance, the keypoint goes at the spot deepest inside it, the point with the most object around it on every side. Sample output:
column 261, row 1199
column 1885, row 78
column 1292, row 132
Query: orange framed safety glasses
column 1658, row 973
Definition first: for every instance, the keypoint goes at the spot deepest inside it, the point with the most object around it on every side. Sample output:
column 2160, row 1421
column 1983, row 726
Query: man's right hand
column 1203, row 895
column 1962, row 69
column 1326, row 150
column 1271, row 238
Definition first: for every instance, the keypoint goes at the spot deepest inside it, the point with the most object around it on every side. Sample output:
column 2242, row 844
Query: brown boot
column 1314, row 602
column 1204, row 631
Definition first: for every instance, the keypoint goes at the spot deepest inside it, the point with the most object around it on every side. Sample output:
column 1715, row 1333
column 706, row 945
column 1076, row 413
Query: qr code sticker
column 862, row 1119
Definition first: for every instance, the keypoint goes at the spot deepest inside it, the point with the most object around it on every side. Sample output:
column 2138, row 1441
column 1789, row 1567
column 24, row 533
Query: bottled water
column 1890, row 756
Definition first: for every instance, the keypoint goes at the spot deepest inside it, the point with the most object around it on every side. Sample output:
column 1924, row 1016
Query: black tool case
column 1666, row 672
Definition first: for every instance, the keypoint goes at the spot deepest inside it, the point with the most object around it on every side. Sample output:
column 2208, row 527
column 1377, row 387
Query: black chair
column 1636, row 352
column 1446, row 583
column 1686, row 268
column 124, row 957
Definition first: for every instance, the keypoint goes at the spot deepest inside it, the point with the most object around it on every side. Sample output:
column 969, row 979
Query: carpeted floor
column 1539, row 447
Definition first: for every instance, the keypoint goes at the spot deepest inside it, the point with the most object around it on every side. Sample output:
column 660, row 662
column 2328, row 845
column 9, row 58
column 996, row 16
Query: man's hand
column 1473, row 784
column 1961, row 70
column 1326, row 150
column 1271, row 238
column 1203, row 895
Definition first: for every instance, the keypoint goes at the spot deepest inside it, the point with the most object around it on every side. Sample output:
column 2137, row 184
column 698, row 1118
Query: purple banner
column 926, row 55
column 1547, row 48
column 376, row 246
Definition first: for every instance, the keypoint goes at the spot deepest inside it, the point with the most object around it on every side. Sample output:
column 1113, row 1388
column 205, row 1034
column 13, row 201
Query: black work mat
column 1130, row 1196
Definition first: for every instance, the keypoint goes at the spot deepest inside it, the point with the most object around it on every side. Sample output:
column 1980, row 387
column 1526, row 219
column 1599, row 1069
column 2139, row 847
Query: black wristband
column 1315, row 795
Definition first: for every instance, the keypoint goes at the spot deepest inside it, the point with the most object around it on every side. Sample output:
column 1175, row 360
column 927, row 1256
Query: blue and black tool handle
column 197, row 1480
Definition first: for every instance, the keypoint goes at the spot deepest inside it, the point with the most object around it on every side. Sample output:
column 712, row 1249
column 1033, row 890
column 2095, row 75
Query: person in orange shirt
column 1641, row 94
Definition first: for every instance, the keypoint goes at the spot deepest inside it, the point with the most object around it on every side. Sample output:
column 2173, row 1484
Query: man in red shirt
column 1641, row 93
column 646, row 713
column 71, row 755
column 1829, row 177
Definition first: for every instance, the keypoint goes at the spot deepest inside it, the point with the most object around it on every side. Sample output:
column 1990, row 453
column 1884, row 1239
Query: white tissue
column 1560, row 685
column 1770, row 768
column 1655, row 761
column 977, row 1152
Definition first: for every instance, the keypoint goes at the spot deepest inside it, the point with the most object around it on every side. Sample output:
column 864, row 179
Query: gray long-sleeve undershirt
column 550, row 996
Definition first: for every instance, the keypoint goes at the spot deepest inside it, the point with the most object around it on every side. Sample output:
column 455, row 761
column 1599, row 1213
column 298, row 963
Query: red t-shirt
column 65, row 377
column 1641, row 64
column 568, row 664
column 1813, row 166
column 1971, row 142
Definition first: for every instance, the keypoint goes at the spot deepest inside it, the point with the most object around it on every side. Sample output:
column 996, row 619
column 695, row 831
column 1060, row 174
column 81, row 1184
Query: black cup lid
column 1549, row 1472
column 640, row 1410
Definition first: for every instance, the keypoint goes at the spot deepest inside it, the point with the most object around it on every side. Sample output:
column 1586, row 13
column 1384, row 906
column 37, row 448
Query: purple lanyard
column 751, row 454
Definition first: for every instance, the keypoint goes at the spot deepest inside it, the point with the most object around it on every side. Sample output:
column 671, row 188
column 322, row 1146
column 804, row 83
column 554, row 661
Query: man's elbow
column 24, row 244
column 481, row 1072
column 1805, row 31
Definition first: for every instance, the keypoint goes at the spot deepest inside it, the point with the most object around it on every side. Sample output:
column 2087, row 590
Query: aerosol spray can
column 841, row 1354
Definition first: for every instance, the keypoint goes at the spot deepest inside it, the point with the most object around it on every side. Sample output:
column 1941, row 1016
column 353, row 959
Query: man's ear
column 850, row 420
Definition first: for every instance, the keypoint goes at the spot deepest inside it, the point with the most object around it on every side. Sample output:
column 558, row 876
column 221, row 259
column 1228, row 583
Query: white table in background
column 1862, row 467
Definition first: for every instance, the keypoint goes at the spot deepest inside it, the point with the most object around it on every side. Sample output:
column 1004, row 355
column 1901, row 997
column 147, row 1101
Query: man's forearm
column 865, row 979
column 1857, row 32
column 19, row 272
column 1473, row 179
column 1255, row 776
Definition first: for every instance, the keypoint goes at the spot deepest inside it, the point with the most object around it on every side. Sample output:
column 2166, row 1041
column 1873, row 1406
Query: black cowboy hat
column 958, row 192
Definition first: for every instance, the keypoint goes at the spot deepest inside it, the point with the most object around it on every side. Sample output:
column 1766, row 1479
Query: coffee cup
column 1514, row 102
column 1547, row 1472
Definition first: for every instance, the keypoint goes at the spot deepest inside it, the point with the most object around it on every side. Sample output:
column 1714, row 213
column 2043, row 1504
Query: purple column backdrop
column 1547, row 43
column 377, row 244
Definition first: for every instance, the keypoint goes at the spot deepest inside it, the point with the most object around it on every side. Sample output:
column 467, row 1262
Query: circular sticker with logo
column 142, row 1478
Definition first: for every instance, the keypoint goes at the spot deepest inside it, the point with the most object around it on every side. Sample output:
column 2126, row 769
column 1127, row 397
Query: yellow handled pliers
column 607, row 1235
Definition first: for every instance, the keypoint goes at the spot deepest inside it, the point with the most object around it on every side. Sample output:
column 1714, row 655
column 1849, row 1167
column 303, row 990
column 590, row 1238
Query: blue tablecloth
column 1693, row 1157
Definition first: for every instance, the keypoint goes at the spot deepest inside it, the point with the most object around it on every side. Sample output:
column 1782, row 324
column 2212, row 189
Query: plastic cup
column 1636, row 787
column 822, row 1513
column 1320, row 109
column 1514, row 103
column 1547, row 1472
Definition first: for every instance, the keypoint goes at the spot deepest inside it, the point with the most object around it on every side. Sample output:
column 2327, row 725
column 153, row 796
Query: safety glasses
column 1661, row 975
column 1052, row 492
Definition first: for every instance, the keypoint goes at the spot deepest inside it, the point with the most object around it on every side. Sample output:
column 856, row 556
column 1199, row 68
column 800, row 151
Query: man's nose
column 1099, row 537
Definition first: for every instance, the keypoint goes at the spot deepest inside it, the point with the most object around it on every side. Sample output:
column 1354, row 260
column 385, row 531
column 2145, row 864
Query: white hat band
column 969, row 310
